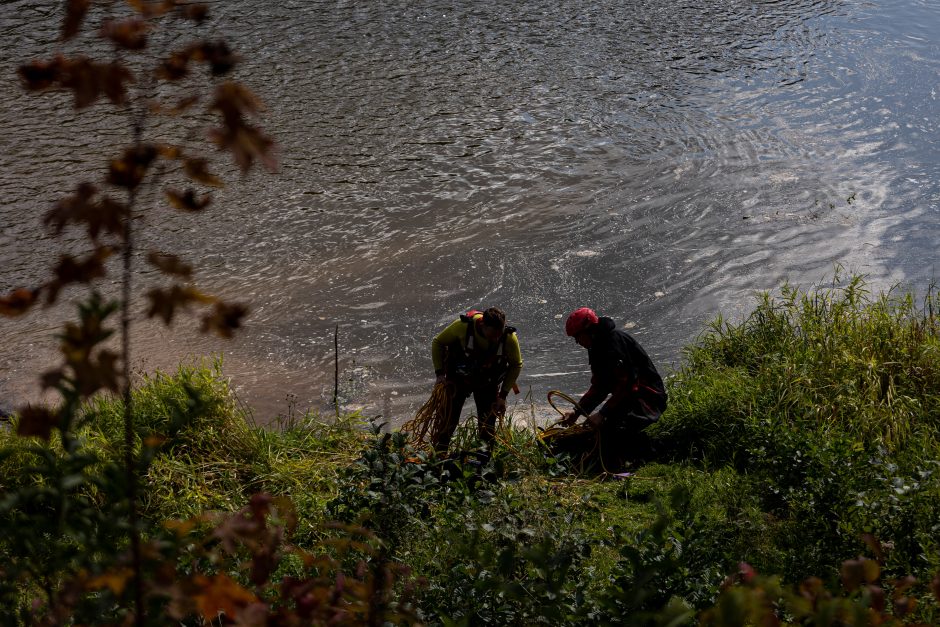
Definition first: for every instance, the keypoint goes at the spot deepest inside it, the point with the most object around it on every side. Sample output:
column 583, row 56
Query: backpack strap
column 501, row 350
column 470, row 319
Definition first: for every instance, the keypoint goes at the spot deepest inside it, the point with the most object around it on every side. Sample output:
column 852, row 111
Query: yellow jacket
column 455, row 335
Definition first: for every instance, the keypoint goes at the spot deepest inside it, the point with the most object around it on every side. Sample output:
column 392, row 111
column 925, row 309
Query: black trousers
column 619, row 441
column 484, row 391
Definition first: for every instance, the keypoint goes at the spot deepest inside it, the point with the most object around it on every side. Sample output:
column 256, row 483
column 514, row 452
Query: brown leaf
column 84, row 77
column 246, row 143
column 168, row 151
column 112, row 78
column 220, row 57
column 165, row 302
column 875, row 545
column 75, row 11
column 52, row 379
column 130, row 34
column 114, row 580
column 81, row 76
column 97, row 215
column 198, row 170
column 876, row 597
column 187, row 201
column 224, row 319
column 72, row 270
column 36, row 422
column 195, row 12
column 170, row 264
column 40, row 75
column 220, row 593
column 853, row 574
column 935, row 586
column 96, row 373
column 176, row 66
column 148, row 8
column 234, row 101
column 18, row 302
column 129, row 171
column 180, row 107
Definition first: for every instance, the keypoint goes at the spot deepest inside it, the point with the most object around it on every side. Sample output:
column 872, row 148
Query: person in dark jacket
column 625, row 380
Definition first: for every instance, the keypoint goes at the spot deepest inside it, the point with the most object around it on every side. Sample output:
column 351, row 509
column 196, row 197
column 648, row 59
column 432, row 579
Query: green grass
column 790, row 436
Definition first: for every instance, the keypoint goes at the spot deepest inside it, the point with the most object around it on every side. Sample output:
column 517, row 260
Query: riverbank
column 798, row 440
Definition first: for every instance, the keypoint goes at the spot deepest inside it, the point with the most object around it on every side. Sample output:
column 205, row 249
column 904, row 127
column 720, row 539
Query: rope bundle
column 432, row 417
column 556, row 434
column 557, row 430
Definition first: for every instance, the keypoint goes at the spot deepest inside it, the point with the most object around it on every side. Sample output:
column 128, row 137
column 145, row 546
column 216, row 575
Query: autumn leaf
column 168, row 151
column 187, row 201
column 40, row 75
column 170, row 264
column 73, row 270
column 195, row 12
column 129, row 171
column 246, row 143
column 180, row 527
column 97, row 215
column 97, row 372
column 224, row 319
column 148, row 8
column 75, row 12
column 853, row 574
column 18, row 302
column 176, row 66
column 221, row 594
column 36, row 422
column 115, row 581
column 155, row 440
column 165, row 302
column 81, row 76
column 219, row 56
column 198, row 170
column 111, row 78
column 181, row 106
column 234, row 101
column 130, row 34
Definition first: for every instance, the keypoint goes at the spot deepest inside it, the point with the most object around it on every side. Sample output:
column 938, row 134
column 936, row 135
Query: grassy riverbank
column 805, row 436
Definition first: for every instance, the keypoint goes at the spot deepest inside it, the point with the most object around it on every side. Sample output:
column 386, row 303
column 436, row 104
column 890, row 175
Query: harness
column 476, row 360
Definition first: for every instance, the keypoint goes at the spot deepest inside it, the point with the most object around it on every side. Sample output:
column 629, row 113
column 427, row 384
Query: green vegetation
column 800, row 439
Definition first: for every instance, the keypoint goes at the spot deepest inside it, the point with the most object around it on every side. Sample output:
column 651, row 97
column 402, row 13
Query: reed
column 833, row 359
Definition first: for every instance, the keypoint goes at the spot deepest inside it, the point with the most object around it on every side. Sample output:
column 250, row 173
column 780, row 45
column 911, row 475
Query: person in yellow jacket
column 476, row 354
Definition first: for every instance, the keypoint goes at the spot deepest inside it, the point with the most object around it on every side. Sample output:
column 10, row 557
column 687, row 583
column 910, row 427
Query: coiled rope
column 556, row 429
column 431, row 418
column 555, row 433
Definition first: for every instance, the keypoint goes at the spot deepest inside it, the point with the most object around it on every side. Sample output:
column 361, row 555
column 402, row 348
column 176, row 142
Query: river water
column 657, row 160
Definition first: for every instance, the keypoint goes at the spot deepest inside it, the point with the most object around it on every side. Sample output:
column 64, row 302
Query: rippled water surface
column 657, row 160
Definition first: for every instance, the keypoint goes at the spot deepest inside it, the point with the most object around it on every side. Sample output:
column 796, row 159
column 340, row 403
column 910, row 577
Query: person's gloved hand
column 568, row 418
column 499, row 406
column 596, row 419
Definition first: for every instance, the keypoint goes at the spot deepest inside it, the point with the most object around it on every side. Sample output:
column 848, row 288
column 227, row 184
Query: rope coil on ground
column 557, row 434
column 557, row 430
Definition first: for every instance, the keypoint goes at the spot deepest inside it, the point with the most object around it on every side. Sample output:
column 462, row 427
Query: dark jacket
column 621, row 369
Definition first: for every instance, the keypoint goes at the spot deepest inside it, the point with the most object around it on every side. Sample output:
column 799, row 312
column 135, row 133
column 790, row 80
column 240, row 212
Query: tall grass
column 829, row 400
column 216, row 457
column 831, row 359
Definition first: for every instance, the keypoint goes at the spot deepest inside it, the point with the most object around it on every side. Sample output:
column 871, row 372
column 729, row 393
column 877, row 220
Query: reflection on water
column 658, row 161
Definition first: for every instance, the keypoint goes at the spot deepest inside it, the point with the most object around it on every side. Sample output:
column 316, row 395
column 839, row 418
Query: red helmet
column 580, row 320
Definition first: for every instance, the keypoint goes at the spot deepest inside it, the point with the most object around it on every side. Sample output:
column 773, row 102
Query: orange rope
column 432, row 417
